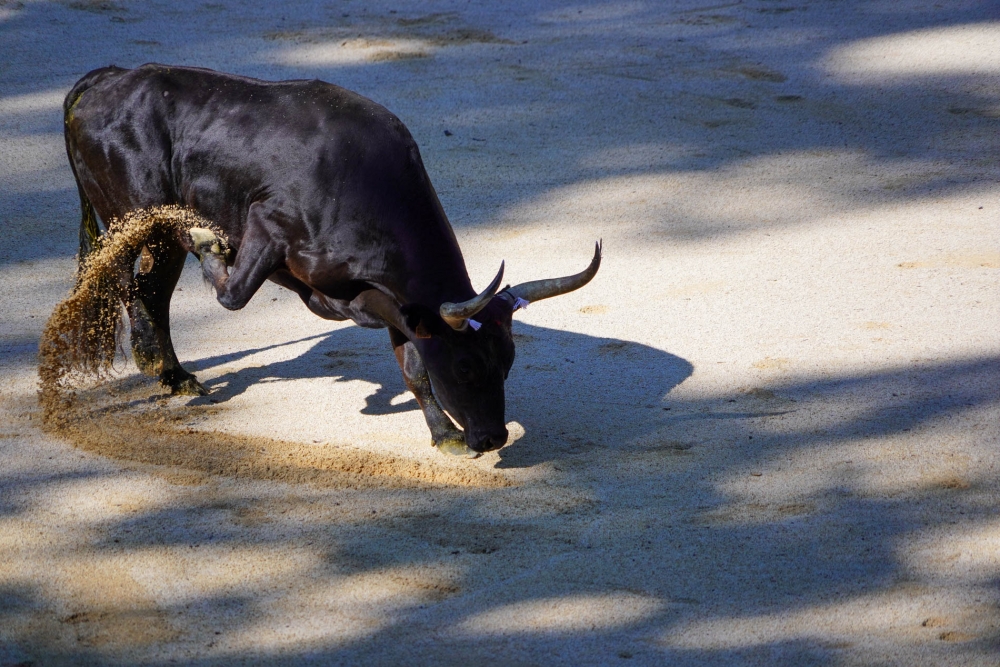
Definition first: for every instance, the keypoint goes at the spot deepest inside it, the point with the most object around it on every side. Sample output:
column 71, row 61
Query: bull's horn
column 536, row 290
column 457, row 314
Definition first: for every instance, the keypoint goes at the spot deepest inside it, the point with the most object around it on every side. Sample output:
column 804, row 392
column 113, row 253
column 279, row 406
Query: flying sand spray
column 83, row 333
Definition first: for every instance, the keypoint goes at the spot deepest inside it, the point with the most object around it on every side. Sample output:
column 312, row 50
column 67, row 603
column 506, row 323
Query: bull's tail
column 90, row 231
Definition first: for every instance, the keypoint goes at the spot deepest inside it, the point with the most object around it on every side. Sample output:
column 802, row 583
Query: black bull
column 321, row 191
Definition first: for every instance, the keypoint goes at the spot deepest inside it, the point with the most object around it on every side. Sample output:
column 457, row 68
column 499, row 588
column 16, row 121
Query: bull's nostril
column 488, row 443
column 496, row 441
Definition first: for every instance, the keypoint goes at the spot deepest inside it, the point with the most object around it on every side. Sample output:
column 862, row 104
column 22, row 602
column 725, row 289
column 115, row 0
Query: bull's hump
column 299, row 100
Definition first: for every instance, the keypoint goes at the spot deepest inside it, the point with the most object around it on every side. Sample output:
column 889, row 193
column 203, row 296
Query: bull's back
column 216, row 142
column 341, row 172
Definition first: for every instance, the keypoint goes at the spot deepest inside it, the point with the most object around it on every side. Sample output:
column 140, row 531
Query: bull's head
column 468, row 349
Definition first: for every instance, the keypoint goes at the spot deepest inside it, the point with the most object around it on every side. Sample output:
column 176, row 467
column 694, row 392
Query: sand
column 766, row 433
column 85, row 330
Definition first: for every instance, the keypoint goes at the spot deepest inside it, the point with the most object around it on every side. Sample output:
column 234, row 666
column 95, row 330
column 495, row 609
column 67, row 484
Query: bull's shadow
column 568, row 390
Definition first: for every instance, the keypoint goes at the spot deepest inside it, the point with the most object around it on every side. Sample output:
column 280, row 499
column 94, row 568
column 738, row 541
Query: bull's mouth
column 487, row 446
column 470, row 442
column 457, row 447
column 461, row 446
column 487, row 443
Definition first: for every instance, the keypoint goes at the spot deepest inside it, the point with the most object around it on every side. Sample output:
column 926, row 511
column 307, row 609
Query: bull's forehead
column 497, row 310
column 495, row 343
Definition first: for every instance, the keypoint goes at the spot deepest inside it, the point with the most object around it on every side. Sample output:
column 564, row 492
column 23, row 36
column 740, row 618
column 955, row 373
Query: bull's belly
column 327, row 307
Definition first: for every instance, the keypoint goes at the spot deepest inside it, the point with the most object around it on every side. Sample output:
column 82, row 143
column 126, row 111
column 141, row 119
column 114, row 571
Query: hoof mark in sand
column 758, row 513
column 760, row 73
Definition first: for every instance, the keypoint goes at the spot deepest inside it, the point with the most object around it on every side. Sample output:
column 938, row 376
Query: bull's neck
column 434, row 275
column 451, row 286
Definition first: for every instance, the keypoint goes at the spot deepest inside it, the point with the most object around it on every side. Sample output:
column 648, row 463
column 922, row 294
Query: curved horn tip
column 457, row 314
column 494, row 285
column 499, row 274
column 598, row 255
column 536, row 290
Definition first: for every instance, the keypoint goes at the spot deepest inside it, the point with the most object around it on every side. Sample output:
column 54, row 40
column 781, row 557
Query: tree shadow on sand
column 689, row 539
column 564, row 386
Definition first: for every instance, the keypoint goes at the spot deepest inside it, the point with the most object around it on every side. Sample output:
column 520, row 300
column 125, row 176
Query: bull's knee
column 251, row 265
column 209, row 249
column 230, row 302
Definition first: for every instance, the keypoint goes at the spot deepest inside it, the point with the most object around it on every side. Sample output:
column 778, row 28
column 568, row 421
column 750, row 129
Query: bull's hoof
column 189, row 386
column 456, row 447
column 205, row 241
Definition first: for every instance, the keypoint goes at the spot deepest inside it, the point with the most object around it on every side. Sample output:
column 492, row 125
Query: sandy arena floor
column 767, row 433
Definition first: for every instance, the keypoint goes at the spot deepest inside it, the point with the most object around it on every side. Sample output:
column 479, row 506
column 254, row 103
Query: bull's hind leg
column 444, row 435
column 149, row 315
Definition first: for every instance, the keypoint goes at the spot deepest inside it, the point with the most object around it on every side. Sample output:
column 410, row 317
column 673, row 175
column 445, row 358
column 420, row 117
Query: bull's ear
column 424, row 322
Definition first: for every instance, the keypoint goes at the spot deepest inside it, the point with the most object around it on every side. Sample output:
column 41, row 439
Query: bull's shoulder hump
column 306, row 97
column 188, row 98
column 337, row 101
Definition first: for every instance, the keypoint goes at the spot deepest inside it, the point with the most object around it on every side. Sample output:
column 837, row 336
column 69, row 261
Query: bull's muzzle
column 487, row 441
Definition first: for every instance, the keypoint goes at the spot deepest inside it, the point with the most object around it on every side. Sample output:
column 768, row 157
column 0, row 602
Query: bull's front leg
column 258, row 256
column 444, row 435
column 208, row 247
